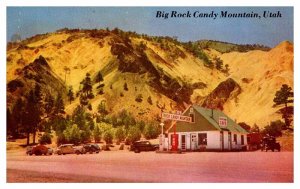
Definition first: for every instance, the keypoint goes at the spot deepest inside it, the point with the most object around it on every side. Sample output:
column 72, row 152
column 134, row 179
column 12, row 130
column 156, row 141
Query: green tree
column 120, row 134
column 70, row 94
column 49, row 105
column 274, row 129
column 85, row 134
column 45, row 138
column 218, row 63
column 15, row 117
column 72, row 134
column 31, row 117
column 102, row 108
column 108, row 136
column 149, row 100
column 97, row 133
column 226, row 68
column 78, row 116
column 151, row 131
column 59, row 106
column 99, row 77
column 134, row 134
column 87, row 85
column 284, row 96
column 125, row 86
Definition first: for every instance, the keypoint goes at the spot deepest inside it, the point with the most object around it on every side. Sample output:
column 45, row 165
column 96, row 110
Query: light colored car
column 70, row 149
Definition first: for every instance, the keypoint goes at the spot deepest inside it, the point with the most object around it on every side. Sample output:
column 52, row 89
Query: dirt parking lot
column 125, row 166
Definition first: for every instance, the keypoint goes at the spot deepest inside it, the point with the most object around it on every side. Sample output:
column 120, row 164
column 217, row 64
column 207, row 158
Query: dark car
column 139, row 146
column 91, row 148
column 269, row 143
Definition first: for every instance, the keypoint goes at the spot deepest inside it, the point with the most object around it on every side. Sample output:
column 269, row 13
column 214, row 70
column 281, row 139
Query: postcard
column 150, row 94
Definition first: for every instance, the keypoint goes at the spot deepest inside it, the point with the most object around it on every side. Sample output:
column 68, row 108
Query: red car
column 39, row 150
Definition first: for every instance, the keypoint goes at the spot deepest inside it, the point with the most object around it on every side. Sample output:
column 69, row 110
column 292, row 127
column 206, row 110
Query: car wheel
column 77, row 152
column 30, row 154
column 59, row 153
column 136, row 151
column 97, row 152
column 50, row 154
column 38, row 153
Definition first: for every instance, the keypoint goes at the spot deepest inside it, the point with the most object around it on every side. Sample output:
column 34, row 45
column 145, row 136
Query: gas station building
column 209, row 130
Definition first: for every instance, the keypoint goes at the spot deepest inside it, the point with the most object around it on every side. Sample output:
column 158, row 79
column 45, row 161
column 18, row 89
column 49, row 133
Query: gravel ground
column 125, row 166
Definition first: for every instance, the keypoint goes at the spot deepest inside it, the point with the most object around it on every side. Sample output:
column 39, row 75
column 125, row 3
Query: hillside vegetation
column 144, row 75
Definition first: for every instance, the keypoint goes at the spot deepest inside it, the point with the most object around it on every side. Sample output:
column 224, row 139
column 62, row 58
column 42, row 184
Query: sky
column 29, row 21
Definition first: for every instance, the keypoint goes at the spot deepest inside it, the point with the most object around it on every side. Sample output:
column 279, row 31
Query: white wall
column 213, row 140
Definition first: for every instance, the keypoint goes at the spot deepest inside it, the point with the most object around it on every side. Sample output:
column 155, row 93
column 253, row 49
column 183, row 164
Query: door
column 183, row 142
column 222, row 140
column 229, row 141
column 193, row 141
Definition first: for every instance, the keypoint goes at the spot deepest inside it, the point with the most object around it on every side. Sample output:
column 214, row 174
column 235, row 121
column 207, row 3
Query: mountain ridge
column 157, row 68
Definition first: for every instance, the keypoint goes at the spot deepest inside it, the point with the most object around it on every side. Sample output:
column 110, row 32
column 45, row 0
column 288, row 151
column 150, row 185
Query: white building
column 210, row 130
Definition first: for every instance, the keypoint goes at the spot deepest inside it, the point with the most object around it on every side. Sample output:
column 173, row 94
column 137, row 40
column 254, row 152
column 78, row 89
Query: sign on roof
column 176, row 117
column 223, row 121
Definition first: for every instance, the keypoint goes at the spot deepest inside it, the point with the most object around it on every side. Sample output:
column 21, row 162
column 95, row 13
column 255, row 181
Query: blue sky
column 28, row 21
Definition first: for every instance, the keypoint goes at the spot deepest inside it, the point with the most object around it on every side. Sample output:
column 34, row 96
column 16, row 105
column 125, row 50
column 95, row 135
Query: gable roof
column 212, row 122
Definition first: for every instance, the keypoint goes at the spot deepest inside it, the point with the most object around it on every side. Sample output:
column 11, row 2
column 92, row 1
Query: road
column 125, row 166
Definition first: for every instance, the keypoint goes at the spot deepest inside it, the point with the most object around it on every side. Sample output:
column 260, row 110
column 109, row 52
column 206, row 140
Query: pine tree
column 283, row 96
column 49, row 105
column 71, row 94
column 218, row 63
column 59, row 107
column 99, row 77
column 87, row 85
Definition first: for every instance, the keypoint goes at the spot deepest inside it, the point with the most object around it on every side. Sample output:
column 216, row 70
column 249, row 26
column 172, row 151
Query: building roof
column 212, row 122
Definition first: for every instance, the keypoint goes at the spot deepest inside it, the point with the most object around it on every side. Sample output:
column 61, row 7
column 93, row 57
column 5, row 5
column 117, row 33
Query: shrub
column 108, row 136
column 139, row 98
column 151, row 131
column 97, row 133
column 149, row 100
column 120, row 134
column 134, row 134
column 72, row 134
column 125, row 87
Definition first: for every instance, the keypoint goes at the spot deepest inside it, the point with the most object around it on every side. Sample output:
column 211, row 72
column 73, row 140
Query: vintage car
column 92, row 148
column 145, row 145
column 269, row 143
column 70, row 149
column 39, row 150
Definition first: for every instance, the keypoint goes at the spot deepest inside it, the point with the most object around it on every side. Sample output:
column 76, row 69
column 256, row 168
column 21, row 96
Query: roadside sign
column 176, row 117
column 223, row 121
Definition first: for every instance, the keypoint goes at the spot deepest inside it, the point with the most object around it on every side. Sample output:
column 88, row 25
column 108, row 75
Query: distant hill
column 224, row 47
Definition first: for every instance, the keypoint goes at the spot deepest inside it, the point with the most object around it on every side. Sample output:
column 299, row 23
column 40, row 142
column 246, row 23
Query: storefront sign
column 176, row 117
column 223, row 121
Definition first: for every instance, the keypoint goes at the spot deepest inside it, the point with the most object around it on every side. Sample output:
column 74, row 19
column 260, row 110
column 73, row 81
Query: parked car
column 269, row 143
column 145, row 145
column 70, row 149
column 92, row 148
column 39, row 150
